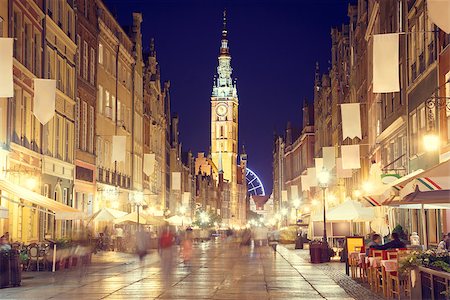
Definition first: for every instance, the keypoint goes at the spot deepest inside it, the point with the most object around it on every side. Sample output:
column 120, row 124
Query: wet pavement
column 216, row 271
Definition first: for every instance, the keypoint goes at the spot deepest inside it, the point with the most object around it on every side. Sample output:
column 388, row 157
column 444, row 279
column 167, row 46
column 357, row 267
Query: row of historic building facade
column 107, row 85
column 393, row 124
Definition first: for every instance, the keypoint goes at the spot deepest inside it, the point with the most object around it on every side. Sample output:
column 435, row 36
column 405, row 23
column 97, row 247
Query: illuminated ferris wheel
column 254, row 184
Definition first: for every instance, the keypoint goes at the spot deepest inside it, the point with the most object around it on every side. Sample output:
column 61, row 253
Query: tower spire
column 224, row 30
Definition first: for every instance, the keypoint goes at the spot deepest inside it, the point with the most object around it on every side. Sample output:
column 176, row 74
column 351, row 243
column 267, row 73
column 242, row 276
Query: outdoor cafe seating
column 380, row 270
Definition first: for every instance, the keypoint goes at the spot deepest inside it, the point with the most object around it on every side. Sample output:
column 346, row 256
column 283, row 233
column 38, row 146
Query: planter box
column 429, row 284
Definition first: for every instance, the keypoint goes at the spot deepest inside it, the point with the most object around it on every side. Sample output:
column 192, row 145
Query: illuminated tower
column 224, row 113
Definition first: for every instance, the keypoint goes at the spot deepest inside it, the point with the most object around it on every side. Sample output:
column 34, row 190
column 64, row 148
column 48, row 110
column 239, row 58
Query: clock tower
column 224, row 114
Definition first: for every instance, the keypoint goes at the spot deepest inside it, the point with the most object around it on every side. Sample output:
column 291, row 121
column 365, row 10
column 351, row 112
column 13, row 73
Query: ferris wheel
column 254, row 184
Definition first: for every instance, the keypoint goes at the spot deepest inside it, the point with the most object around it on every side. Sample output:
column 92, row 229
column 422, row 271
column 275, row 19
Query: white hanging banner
column 350, row 157
column 176, row 181
column 186, row 199
column 6, row 67
column 385, row 63
column 284, row 195
column 319, row 163
column 119, row 148
column 340, row 172
column 351, row 120
column 329, row 157
column 149, row 163
column 312, row 177
column 439, row 13
column 305, row 183
column 44, row 99
column 294, row 192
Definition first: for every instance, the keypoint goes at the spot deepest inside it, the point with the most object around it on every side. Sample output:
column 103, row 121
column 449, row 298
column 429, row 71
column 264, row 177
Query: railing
column 433, row 284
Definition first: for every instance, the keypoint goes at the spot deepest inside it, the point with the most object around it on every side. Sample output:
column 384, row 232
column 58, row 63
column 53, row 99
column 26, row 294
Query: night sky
column 274, row 46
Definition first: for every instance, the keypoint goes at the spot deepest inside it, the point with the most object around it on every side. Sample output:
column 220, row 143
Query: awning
column 425, row 200
column 388, row 191
column 433, row 179
column 61, row 211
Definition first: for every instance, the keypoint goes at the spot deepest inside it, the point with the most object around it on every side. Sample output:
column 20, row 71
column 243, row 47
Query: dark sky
column 274, row 46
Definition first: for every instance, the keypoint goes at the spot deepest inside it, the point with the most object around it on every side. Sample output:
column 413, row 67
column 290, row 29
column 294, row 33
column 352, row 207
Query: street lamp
column 284, row 213
column 182, row 210
column 296, row 204
column 138, row 200
column 323, row 178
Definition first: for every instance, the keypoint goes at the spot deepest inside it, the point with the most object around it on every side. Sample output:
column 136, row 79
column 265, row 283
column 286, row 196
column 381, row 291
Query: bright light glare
column 284, row 211
column 367, row 186
column 357, row 193
column 182, row 210
column 31, row 183
column 431, row 142
column 315, row 202
column 323, row 177
column 296, row 203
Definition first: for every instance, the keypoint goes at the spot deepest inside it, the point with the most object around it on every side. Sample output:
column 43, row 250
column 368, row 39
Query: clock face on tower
column 221, row 110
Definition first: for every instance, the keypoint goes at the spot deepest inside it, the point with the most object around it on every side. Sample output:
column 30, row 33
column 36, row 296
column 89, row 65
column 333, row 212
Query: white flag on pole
column 294, row 192
column 351, row 120
column 284, row 195
column 350, row 157
column 329, row 157
column 44, row 99
column 385, row 63
column 340, row 172
column 319, row 163
column 305, row 183
column 439, row 13
column 119, row 148
column 176, row 181
column 149, row 163
column 6, row 67
column 312, row 177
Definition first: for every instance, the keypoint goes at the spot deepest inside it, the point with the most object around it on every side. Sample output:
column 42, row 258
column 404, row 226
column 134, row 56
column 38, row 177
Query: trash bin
column 4, row 269
column 299, row 242
column 315, row 252
column 14, row 267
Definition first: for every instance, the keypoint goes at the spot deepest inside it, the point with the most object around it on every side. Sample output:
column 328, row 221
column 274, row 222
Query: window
column 84, row 120
column 113, row 108
column 17, row 27
column 414, row 135
column 27, row 43
column 59, row 74
column 1, row 27
column 58, row 130
column 92, row 66
column 119, row 111
column 77, row 123
column 98, row 151
column 447, row 110
column 37, row 53
column 85, row 60
column 100, row 53
column 91, row 130
column 78, row 55
column 100, row 99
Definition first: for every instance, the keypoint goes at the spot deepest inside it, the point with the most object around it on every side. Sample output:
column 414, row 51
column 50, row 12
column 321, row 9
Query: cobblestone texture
column 336, row 271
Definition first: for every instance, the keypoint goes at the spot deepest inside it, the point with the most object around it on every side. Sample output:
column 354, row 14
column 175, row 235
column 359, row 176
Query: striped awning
column 61, row 210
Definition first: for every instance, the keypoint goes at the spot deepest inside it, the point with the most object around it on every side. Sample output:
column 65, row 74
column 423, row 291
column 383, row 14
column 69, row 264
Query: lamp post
column 296, row 204
column 323, row 178
column 138, row 200
column 182, row 210
column 284, row 213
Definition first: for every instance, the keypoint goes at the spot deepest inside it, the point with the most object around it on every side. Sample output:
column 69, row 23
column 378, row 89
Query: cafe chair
column 399, row 283
column 35, row 256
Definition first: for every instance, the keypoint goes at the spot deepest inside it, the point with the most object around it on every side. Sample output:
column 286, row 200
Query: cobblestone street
column 217, row 271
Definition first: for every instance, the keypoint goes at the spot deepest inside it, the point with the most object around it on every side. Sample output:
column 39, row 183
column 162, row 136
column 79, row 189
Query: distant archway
column 254, row 184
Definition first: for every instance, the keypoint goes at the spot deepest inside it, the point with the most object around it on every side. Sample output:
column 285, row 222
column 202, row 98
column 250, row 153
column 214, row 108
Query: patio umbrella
column 179, row 220
column 151, row 220
column 132, row 218
column 107, row 214
column 352, row 211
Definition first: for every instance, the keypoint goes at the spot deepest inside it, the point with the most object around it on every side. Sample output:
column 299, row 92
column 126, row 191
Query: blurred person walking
column 186, row 246
column 166, row 241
